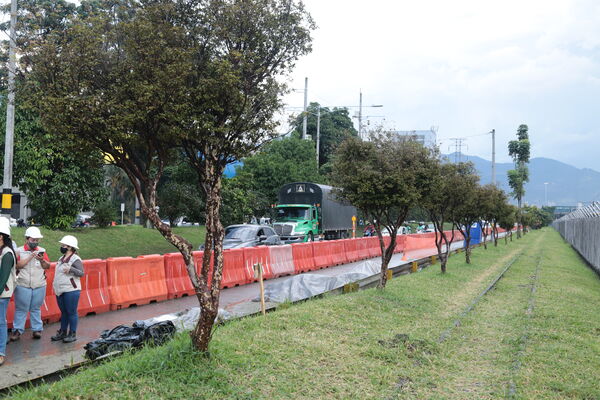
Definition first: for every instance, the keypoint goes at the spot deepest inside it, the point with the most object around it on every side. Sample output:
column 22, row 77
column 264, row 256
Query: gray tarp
column 304, row 286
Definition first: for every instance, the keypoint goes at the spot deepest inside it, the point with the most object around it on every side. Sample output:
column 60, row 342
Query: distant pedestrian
column 67, row 286
column 30, row 292
column 8, row 277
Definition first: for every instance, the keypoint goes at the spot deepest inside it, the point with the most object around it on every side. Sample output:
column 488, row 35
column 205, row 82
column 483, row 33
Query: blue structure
column 475, row 234
column 230, row 169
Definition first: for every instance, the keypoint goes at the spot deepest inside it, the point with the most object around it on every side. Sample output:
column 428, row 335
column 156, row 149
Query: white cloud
column 467, row 66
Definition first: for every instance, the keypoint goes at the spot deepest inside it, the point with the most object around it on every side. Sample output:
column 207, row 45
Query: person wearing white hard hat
column 8, row 277
column 67, row 287
column 32, row 263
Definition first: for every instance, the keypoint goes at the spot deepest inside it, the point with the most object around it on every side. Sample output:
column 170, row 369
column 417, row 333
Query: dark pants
column 67, row 302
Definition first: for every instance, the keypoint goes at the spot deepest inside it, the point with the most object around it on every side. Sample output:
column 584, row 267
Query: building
column 427, row 138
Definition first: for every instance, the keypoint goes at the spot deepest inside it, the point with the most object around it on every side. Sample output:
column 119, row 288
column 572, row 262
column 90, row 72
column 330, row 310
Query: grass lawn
column 385, row 344
column 115, row 241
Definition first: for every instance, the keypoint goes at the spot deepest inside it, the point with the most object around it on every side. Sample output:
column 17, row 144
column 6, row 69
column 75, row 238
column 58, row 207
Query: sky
column 465, row 67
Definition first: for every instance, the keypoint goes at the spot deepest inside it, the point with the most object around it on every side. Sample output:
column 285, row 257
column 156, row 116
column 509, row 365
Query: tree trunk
column 386, row 256
column 506, row 238
column 495, row 233
column 468, row 249
column 484, row 236
column 209, row 294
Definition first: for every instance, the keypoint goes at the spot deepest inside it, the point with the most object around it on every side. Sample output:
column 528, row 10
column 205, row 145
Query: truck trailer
column 309, row 211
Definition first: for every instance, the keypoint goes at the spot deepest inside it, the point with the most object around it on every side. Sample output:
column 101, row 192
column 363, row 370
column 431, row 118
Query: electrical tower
column 458, row 145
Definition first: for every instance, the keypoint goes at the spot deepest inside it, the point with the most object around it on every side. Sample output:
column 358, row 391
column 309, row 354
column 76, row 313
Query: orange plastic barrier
column 351, row 249
column 255, row 255
column 304, row 260
column 176, row 275
column 322, row 254
column 94, row 298
column 373, row 246
column 338, row 253
column 50, row 310
column 362, row 248
column 282, row 260
column 400, row 243
column 136, row 281
column 234, row 269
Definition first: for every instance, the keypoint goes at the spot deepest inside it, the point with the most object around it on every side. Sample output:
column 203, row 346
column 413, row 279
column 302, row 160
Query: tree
column 489, row 201
column 335, row 127
column 384, row 178
column 59, row 181
column 277, row 163
column 142, row 80
column 507, row 217
column 465, row 214
column 519, row 150
column 440, row 201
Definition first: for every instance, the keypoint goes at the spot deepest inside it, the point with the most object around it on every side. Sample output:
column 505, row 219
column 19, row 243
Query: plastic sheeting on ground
column 300, row 287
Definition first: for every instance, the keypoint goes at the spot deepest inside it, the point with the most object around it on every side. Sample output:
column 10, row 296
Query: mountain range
column 566, row 184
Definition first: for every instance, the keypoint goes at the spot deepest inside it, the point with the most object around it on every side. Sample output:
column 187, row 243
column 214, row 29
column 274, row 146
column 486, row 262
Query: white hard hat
column 69, row 241
column 33, row 232
column 4, row 226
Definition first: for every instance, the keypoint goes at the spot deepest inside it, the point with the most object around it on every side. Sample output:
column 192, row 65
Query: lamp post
column 10, row 116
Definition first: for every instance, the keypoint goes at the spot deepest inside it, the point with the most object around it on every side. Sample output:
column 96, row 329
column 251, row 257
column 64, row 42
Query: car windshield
column 242, row 233
column 284, row 213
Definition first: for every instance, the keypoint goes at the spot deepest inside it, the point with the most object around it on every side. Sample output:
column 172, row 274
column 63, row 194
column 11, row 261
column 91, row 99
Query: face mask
column 32, row 246
column 63, row 250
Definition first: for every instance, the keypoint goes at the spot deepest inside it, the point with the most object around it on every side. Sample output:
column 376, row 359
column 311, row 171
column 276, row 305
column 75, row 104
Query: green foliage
column 179, row 194
column 519, row 150
column 104, row 214
column 384, row 177
column 336, row 126
column 58, row 179
column 277, row 163
column 238, row 203
column 535, row 217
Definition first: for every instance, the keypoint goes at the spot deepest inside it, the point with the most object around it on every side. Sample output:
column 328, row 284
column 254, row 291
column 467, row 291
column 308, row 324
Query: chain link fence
column 581, row 229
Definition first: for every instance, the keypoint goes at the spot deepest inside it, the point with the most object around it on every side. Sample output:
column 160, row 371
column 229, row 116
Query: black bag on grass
column 125, row 337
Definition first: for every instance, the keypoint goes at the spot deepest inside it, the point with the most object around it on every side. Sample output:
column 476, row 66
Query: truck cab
column 295, row 223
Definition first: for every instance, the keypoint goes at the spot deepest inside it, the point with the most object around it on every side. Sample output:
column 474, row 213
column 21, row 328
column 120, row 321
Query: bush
column 104, row 214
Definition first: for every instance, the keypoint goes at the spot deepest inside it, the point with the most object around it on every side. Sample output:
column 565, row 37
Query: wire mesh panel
column 581, row 229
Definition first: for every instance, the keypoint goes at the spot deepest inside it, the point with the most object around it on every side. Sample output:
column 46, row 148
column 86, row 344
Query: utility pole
column 546, row 193
column 318, row 132
column 493, row 157
column 360, row 116
column 10, row 115
column 305, row 119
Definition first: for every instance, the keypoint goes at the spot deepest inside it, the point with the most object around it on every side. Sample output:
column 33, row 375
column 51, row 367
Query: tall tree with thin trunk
column 384, row 178
column 519, row 150
column 147, row 81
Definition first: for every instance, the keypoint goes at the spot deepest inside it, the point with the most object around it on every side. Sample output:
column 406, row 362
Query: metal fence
column 581, row 229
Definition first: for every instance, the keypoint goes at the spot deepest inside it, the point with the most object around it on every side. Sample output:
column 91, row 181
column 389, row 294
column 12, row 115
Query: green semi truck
column 309, row 211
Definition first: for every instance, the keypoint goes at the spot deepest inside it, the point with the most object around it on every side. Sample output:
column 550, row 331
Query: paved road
column 28, row 358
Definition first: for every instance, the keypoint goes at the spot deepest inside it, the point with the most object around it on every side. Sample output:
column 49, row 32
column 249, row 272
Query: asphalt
column 29, row 358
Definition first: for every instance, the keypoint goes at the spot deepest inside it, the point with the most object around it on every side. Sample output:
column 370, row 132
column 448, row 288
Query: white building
column 427, row 138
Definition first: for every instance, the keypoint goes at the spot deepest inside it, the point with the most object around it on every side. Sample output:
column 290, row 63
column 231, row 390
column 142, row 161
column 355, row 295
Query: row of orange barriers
column 122, row 282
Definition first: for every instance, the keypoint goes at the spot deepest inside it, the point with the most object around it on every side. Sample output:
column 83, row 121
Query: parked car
column 181, row 221
column 248, row 235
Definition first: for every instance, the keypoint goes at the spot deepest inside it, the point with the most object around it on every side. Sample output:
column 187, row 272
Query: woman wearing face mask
column 8, row 278
column 30, row 292
column 67, row 286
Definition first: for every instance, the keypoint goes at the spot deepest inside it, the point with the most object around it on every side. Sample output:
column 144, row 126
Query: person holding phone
column 67, row 287
column 30, row 292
